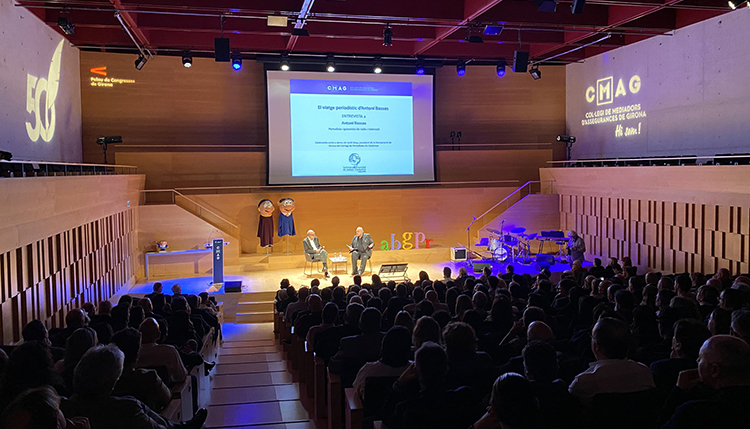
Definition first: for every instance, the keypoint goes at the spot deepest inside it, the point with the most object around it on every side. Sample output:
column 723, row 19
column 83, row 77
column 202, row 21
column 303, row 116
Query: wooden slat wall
column 673, row 219
column 47, row 278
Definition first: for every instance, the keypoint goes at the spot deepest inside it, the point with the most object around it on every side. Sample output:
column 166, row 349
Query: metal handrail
column 649, row 159
column 260, row 188
column 200, row 207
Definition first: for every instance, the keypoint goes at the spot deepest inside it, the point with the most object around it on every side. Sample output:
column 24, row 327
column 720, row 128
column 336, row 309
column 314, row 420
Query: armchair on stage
column 309, row 259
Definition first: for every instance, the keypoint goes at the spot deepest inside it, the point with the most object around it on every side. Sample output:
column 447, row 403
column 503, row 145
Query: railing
column 28, row 168
column 171, row 196
column 724, row 159
column 528, row 188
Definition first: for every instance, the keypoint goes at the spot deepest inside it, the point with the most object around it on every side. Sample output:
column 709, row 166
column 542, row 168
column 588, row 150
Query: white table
column 337, row 260
column 177, row 252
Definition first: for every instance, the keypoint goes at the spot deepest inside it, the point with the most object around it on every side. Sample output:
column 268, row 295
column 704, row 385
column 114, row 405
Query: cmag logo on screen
column 605, row 91
column 44, row 90
column 336, row 88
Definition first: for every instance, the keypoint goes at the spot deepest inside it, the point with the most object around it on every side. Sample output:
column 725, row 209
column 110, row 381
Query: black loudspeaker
column 577, row 6
column 221, row 50
column 233, row 286
column 520, row 61
column 545, row 261
column 479, row 266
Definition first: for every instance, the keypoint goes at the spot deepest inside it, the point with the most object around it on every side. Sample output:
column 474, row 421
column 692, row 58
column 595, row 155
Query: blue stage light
column 236, row 62
column 501, row 68
column 461, row 67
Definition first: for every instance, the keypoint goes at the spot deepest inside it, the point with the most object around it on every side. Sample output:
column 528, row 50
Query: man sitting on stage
column 576, row 247
column 315, row 250
column 361, row 248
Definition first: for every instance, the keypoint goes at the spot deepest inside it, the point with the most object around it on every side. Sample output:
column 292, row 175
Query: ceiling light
column 501, row 68
column 300, row 32
column 187, row 60
column 535, row 72
column 387, row 36
column 732, row 4
column 461, row 67
column 66, row 26
column 285, row 65
column 420, row 68
column 236, row 61
column 140, row 62
column 378, row 66
column 330, row 65
column 493, row 30
column 276, row 21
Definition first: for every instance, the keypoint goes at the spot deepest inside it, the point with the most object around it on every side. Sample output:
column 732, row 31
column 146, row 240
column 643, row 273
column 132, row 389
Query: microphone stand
column 468, row 240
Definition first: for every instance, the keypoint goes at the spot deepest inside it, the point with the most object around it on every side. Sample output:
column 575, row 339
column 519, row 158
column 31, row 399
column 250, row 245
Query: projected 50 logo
column 605, row 91
column 41, row 89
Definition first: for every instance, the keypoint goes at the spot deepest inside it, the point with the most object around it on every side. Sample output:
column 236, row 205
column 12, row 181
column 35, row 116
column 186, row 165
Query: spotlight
column 140, row 62
column 187, row 60
column 566, row 139
column 377, row 67
column 535, row 72
column 387, row 36
column 66, row 26
column 236, row 61
column 493, row 30
column 300, row 32
column 474, row 39
column 420, row 68
column 733, row 4
column 285, row 65
column 461, row 67
column 330, row 65
column 501, row 68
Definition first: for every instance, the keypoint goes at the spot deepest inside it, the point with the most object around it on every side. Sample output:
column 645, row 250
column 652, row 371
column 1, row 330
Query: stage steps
column 255, row 307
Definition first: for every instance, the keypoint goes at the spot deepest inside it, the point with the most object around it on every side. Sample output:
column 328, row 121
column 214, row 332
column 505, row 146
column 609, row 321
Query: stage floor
column 264, row 281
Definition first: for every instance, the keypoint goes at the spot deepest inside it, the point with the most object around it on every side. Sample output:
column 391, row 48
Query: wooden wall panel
column 657, row 217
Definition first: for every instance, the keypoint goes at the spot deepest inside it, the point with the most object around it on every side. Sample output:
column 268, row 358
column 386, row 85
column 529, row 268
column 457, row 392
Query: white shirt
column 312, row 243
column 375, row 369
column 152, row 355
column 611, row 376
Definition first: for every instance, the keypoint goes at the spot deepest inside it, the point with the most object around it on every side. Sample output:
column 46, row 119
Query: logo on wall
column 605, row 91
column 105, row 81
column 43, row 89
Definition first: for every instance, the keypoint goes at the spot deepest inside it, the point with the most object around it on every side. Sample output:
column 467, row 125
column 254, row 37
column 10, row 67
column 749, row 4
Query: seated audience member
column 76, row 318
column 512, row 405
column 666, row 283
column 612, row 372
column 435, row 406
column 720, row 321
column 176, row 291
column 404, row 319
column 740, row 326
column 312, row 318
column 207, row 304
column 723, row 367
column 356, row 350
column 209, row 319
column 597, row 270
column 466, row 366
column 447, row 275
column 102, row 322
column 120, row 316
column 148, row 309
column 142, row 384
column 731, row 299
column 286, row 295
column 295, row 308
column 688, row 338
column 78, row 344
column 557, row 407
column 537, row 331
column 180, row 304
column 330, row 313
column 152, row 355
column 394, row 359
column 328, row 341
column 708, row 300
column 137, row 316
column 36, row 331
column 29, row 367
column 432, row 297
column 95, row 378
column 426, row 330
column 39, row 408
column 158, row 299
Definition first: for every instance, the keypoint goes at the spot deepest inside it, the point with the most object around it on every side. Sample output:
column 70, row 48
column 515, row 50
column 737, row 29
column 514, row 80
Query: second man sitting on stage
column 361, row 249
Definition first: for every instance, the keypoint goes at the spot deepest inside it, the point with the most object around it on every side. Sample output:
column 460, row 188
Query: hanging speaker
column 520, row 61
column 221, row 50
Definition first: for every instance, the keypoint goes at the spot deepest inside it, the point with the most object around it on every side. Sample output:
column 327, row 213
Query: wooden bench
column 354, row 412
column 321, row 409
column 334, row 401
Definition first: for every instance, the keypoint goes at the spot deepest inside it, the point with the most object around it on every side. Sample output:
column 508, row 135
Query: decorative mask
column 265, row 207
column 286, row 206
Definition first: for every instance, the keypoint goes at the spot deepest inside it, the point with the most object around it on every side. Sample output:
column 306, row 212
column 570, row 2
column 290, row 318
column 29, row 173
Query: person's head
column 37, row 408
column 128, row 341
column 357, row 280
column 284, row 283
column 30, row 365
column 720, row 321
column 88, row 307
column 353, row 313
column 740, row 326
column 666, row 283
column 532, row 314
column 683, row 283
column 707, row 295
column 193, row 301
column 565, row 285
column 539, row 331
column 203, row 297
column 136, row 316
column 330, row 313
column 180, row 304
column 145, row 304
column 105, row 308
column 723, row 361
column 572, row 234
column 689, row 335
column 460, row 341
column 158, row 287
column 513, row 402
column 78, row 343
column 125, row 300
column 463, row 303
column 479, row 300
column 35, row 331
column 303, row 293
column 431, row 363
column 396, row 347
column 731, row 299
column 446, row 272
column 624, row 301
column 150, row 332
column 652, row 278
column 176, row 289
column 314, row 303
column 424, row 308
column 664, row 297
column 423, row 276
column 76, row 318
column 403, row 318
column 426, row 329
column 597, row 262
column 98, row 371
column 310, row 234
column 540, row 362
column 432, row 296
column 610, row 339
column 359, row 231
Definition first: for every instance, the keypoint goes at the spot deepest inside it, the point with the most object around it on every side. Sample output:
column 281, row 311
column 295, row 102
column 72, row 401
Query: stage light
column 535, row 72
column 461, row 67
column 500, row 68
column 566, row 139
column 187, row 60
column 330, row 65
column 285, row 65
column 66, row 26
column 732, row 4
column 493, row 30
column 377, row 67
column 387, row 36
column 140, row 62
column 420, row 68
column 236, row 61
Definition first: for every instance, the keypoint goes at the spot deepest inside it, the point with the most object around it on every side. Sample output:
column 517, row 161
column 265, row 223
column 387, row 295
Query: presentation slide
column 349, row 128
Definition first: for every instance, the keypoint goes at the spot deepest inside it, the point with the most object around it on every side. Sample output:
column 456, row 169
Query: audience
column 142, row 384
column 153, row 355
column 394, row 358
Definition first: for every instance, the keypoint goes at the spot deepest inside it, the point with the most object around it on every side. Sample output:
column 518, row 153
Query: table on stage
column 177, row 252
column 335, row 260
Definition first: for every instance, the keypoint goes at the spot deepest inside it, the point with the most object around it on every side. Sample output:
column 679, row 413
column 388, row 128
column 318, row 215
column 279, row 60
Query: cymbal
column 519, row 230
column 531, row 236
column 494, row 231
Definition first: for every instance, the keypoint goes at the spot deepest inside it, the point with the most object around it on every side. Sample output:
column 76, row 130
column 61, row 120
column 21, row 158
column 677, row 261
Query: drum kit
column 513, row 246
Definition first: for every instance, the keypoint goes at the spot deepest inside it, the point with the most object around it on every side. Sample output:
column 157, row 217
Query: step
column 255, row 317
column 262, row 296
column 255, row 307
